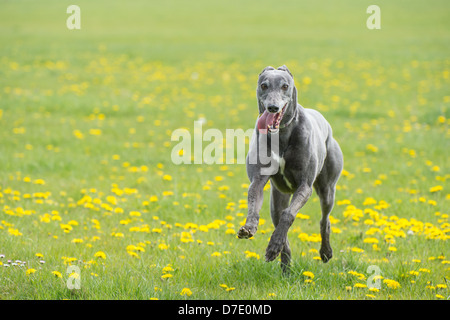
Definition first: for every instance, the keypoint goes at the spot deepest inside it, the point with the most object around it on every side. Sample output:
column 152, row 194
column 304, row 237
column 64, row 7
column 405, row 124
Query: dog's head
column 277, row 97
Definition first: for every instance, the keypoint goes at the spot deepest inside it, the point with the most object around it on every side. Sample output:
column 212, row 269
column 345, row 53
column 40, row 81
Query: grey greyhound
column 308, row 156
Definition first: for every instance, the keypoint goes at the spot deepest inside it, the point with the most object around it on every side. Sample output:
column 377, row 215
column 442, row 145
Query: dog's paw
column 326, row 254
column 274, row 248
column 246, row 232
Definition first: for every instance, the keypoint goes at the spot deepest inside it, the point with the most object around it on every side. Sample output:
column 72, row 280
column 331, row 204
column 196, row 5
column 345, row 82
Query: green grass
column 90, row 112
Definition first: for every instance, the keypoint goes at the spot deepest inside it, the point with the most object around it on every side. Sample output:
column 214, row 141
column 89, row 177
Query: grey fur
column 309, row 157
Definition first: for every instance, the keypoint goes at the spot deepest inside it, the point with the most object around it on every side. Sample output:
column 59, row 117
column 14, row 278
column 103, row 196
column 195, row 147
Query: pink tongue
column 266, row 119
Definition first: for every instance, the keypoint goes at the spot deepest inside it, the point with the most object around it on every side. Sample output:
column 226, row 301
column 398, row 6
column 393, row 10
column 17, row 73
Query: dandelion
column 186, row 292
column 230, row 231
column 435, row 168
column 135, row 213
column 371, row 240
column 336, row 230
column 392, row 284
column 317, row 258
column 216, row 254
column 167, row 268
column 302, row 216
column 30, row 271
column 308, row 274
column 133, row 254
column 372, row 148
column 57, row 274
column 249, row 254
column 100, row 254
column 166, row 276
column 436, row 188
column 163, row 246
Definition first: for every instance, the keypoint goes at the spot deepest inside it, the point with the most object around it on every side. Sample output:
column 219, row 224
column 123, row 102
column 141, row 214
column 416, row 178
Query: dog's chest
column 283, row 179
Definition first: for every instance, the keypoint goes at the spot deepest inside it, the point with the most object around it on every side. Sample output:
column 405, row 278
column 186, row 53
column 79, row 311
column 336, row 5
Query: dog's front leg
column 279, row 236
column 255, row 201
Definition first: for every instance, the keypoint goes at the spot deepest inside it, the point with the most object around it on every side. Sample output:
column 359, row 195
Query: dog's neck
column 282, row 126
column 296, row 114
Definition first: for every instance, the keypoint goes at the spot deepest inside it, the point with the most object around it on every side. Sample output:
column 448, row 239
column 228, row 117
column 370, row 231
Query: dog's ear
column 284, row 68
column 294, row 96
column 266, row 69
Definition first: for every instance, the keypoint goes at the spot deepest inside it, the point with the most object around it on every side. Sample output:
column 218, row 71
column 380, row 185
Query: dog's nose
column 273, row 108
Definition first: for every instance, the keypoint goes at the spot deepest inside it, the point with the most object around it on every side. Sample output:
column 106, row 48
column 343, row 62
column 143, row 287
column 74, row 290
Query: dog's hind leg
column 325, row 186
column 326, row 195
column 278, row 202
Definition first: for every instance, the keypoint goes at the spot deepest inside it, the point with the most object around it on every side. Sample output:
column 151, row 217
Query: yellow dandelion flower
column 186, row 292
column 392, row 284
column 133, row 254
column 230, row 231
column 436, row 188
column 163, row 246
column 167, row 268
column 302, row 216
column 57, row 274
column 30, row 271
column 336, row 230
column 370, row 240
column 100, row 254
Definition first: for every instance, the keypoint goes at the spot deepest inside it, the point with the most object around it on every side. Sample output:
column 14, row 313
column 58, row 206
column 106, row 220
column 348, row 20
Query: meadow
column 89, row 194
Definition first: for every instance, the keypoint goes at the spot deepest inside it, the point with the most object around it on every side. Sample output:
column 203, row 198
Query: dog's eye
column 264, row 86
column 284, row 86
